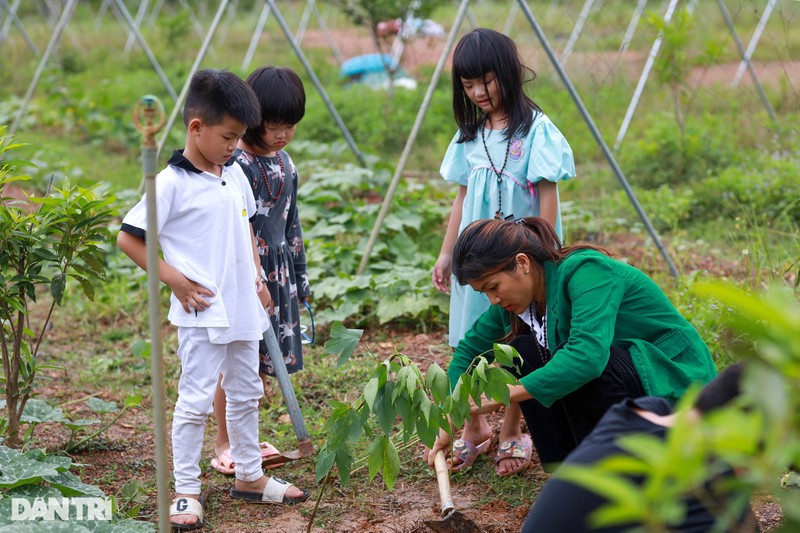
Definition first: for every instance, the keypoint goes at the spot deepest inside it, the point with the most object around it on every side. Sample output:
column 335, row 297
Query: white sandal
column 274, row 492
column 188, row 506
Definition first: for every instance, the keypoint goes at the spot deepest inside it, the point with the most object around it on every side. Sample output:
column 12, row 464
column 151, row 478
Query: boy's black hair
column 478, row 53
column 215, row 94
column 282, row 97
column 721, row 390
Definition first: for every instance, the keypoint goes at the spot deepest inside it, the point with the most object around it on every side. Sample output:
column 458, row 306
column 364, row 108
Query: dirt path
column 597, row 66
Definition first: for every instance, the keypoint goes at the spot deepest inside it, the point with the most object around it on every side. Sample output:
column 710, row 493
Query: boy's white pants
column 201, row 364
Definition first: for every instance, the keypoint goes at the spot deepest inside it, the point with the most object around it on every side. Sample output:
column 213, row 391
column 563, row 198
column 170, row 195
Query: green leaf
column 427, row 431
column 141, row 348
column 391, row 464
column 39, row 411
column 343, row 341
column 497, row 390
column 75, row 425
column 134, row 400
column 8, row 455
column 375, row 455
column 325, row 461
column 70, row 485
column 424, row 404
column 57, row 286
column 371, row 392
column 344, row 462
column 437, row 382
column 505, row 354
column 405, row 409
column 23, row 472
column 100, row 406
column 406, row 383
column 384, row 410
column 88, row 288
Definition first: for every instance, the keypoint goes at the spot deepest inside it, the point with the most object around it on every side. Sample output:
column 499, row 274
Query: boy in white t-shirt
column 204, row 204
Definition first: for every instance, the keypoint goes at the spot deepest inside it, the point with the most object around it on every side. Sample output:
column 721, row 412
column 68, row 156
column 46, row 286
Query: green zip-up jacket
column 594, row 302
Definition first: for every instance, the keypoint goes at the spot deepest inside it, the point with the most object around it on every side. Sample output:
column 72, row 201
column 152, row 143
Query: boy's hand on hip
column 191, row 295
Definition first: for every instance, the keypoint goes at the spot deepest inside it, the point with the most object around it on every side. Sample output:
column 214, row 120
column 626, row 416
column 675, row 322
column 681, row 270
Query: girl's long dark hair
column 478, row 53
column 282, row 98
column 489, row 246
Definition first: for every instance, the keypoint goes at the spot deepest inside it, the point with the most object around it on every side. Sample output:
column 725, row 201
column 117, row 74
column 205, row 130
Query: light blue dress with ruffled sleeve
column 542, row 154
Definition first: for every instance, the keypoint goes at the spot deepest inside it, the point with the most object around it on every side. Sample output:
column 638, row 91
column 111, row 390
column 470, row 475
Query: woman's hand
column 443, row 442
column 441, row 273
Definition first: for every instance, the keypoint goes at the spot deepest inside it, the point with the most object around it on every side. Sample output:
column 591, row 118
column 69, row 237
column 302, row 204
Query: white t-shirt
column 204, row 232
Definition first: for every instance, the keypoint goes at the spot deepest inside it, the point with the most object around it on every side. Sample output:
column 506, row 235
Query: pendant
column 498, row 215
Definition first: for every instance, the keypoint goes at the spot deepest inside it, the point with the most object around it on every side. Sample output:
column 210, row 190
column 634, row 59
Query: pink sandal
column 466, row 452
column 515, row 449
column 225, row 465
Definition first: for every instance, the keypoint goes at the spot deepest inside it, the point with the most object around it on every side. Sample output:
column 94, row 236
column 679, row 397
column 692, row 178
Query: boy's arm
column 188, row 293
column 261, row 288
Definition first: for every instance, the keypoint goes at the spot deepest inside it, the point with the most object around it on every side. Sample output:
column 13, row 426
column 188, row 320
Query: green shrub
column 767, row 186
column 660, row 156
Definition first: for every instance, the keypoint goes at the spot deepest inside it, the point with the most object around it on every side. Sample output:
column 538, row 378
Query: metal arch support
column 120, row 5
column 317, row 83
column 597, row 136
column 637, row 14
column 426, row 102
column 140, row 13
column 55, row 39
column 576, row 31
column 12, row 17
column 251, row 50
column 637, row 94
column 331, row 41
column 751, row 47
column 200, row 55
column 732, row 29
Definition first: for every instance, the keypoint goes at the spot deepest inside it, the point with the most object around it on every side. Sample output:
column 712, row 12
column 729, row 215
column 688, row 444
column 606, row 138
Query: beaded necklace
column 499, row 213
column 544, row 353
column 274, row 197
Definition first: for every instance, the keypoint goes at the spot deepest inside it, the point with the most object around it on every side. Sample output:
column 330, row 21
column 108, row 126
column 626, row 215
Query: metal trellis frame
column 401, row 165
column 315, row 80
column 11, row 17
column 55, row 39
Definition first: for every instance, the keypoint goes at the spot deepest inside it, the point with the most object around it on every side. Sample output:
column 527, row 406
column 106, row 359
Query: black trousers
column 558, row 429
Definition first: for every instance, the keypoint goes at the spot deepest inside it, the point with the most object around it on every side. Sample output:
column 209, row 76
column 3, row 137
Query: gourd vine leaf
column 343, row 342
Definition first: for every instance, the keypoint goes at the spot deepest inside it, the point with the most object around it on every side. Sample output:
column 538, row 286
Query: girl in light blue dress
column 507, row 158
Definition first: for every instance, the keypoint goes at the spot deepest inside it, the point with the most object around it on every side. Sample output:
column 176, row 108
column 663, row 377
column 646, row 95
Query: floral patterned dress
column 279, row 239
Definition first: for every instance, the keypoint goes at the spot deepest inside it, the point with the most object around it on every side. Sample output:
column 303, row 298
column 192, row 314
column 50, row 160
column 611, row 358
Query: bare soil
column 126, row 452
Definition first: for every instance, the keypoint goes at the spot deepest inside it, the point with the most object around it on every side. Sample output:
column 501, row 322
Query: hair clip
column 510, row 218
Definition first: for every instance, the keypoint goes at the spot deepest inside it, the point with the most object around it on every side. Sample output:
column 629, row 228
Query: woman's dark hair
column 478, row 53
column 489, row 246
column 282, row 97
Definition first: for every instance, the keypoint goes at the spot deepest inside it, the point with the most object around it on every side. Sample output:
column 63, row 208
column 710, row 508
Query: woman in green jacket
column 591, row 331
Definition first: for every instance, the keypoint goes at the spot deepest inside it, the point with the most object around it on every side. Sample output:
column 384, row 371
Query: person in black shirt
column 564, row 507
